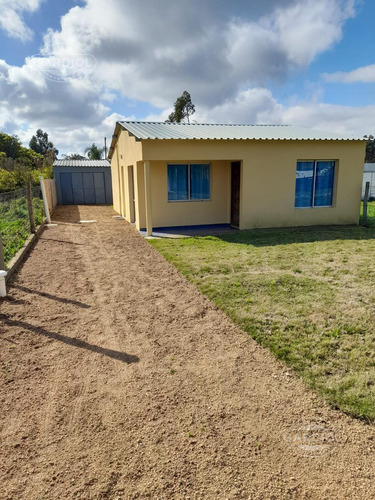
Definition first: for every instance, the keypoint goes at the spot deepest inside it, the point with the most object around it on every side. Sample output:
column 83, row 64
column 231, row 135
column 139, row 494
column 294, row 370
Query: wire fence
column 14, row 218
column 369, row 177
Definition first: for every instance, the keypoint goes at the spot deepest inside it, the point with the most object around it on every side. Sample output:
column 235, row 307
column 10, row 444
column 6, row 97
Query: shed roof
column 82, row 163
column 163, row 130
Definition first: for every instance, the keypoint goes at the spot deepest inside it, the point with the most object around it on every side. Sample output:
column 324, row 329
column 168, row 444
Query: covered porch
column 182, row 197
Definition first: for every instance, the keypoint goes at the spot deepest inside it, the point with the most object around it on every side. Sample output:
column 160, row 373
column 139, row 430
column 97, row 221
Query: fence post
column 44, row 194
column 365, row 200
column 2, row 263
column 30, row 207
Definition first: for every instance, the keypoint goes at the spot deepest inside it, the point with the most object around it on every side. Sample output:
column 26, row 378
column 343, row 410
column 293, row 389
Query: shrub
column 8, row 182
column 14, row 223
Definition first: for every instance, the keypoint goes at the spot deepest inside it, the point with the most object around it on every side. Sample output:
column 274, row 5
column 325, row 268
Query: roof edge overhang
column 121, row 125
column 115, row 137
column 264, row 139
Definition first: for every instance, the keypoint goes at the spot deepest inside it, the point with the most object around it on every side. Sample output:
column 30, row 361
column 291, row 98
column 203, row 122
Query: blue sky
column 304, row 62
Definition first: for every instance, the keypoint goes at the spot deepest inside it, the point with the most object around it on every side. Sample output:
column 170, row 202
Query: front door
column 235, row 194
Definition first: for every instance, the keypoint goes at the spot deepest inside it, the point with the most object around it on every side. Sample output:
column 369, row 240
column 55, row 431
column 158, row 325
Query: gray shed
column 83, row 182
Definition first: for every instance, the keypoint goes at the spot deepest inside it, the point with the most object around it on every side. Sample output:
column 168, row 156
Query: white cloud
column 11, row 20
column 224, row 53
column 258, row 105
column 76, row 140
column 212, row 48
column 308, row 28
column 332, row 117
column 254, row 105
column 366, row 74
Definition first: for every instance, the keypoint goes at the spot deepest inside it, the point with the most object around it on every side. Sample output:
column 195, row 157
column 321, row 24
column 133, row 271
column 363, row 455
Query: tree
column 370, row 149
column 74, row 156
column 183, row 108
column 10, row 145
column 94, row 152
column 41, row 144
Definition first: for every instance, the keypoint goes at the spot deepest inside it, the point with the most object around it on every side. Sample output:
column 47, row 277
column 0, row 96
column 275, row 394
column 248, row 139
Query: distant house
column 168, row 174
column 83, row 182
column 369, row 176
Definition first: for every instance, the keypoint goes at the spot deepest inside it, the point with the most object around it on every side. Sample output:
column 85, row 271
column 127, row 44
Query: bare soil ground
column 119, row 380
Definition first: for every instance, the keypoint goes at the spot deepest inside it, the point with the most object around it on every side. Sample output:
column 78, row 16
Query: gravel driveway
column 120, row 380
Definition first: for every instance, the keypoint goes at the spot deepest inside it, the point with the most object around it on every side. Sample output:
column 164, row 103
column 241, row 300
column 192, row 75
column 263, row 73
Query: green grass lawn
column 14, row 224
column 306, row 294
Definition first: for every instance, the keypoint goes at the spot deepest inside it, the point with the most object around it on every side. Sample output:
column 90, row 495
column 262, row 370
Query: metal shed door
column 66, row 189
column 99, row 187
column 82, row 188
column 89, row 188
column 78, row 190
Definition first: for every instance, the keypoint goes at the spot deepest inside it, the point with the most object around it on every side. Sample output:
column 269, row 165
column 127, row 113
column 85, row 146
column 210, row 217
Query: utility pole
column 105, row 148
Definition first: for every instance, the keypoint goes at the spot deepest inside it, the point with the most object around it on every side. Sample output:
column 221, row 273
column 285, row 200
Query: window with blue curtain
column 314, row 183
column 304, row 184
column 178, row 184
column 325, row 175
column 199, row 182
column 188, row 182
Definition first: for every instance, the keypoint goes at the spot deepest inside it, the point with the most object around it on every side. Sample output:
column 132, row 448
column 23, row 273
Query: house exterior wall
column 267, row 180
column 271, row 202
column 127, row 153
column 190, row 213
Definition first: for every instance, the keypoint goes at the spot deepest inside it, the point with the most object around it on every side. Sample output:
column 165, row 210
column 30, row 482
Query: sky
column 75, row 67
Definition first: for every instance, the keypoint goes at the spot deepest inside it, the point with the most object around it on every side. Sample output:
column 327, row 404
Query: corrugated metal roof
column 160, row 130
column 82, row 163
column 369, row 167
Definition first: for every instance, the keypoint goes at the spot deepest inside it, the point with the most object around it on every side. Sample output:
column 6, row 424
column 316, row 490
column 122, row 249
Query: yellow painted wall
column 127, row 152
column 268, row 184
column 140, row 208
column 186, row 213
column 115, row 180
column 268, row 179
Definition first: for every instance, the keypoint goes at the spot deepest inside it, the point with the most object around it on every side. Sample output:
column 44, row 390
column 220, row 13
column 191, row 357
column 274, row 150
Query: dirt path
column 119, row 380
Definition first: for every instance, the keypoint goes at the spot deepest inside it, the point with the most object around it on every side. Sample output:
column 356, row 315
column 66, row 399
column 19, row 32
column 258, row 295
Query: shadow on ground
column 288, row 236
column 120, row 356
column 52, row 297
column 66, row 213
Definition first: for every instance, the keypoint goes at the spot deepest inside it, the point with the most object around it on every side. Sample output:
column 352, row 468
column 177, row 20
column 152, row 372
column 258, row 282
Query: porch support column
column 148, row 198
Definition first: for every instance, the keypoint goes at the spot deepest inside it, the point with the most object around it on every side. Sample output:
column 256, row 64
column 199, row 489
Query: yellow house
column 248, row 176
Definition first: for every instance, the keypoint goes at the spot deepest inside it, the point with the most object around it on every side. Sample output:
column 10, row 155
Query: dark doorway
column 235, row 193
column 131, row 194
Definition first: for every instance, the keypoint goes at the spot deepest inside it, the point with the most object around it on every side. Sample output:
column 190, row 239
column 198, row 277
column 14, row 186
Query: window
column 189, row 182
column 314, row 183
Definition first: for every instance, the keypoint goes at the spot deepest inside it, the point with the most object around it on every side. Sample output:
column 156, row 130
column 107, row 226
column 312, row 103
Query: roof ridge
column 209, row 124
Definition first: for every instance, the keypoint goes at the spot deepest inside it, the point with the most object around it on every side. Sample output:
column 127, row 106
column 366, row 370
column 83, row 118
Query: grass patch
column 306, row 294
column 370, row 213
column 14, row 224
